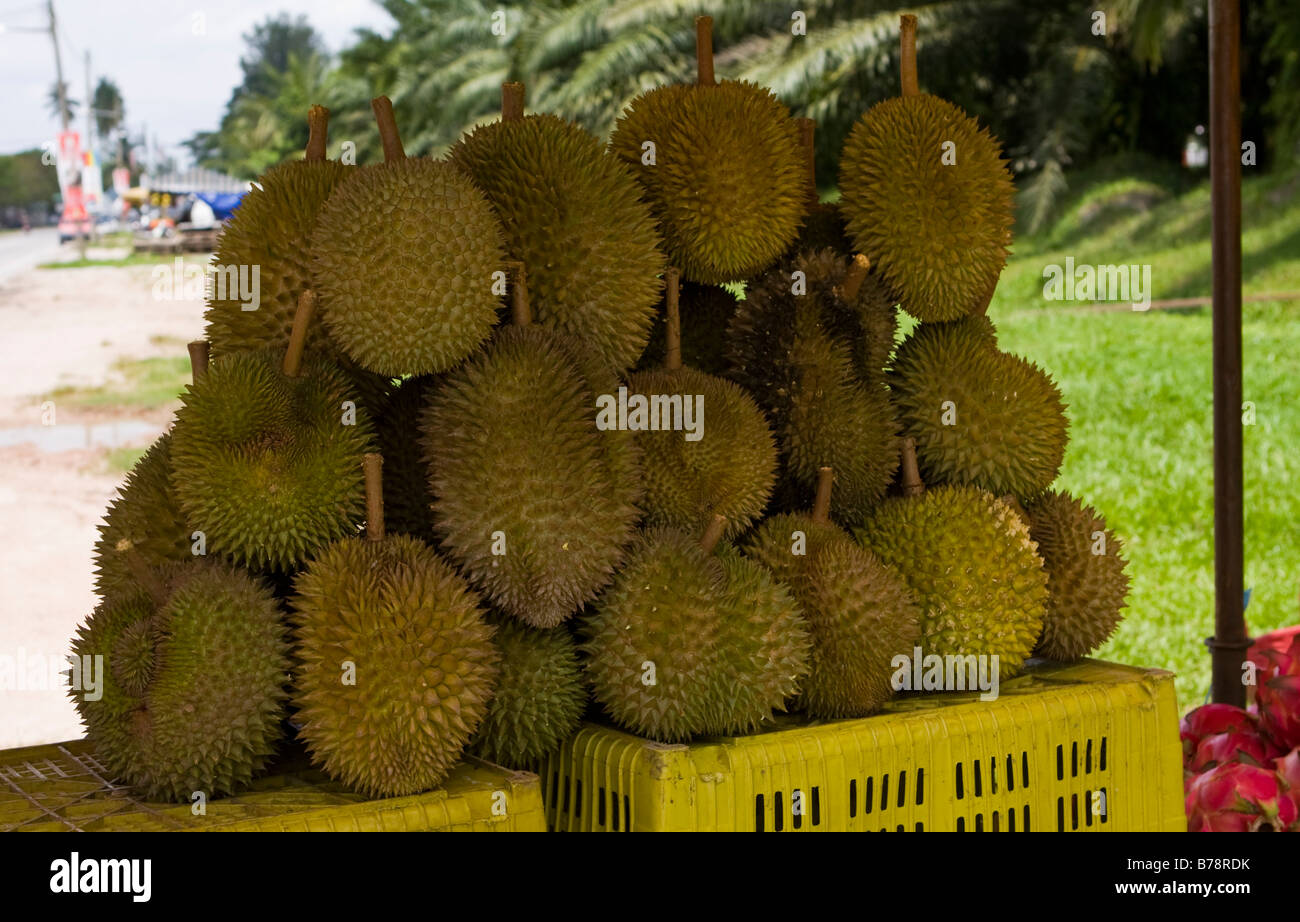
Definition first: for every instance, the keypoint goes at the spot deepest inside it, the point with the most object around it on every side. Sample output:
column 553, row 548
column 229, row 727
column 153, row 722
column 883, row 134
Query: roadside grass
column 1138, row 385
column 119, row 461
column 136, row 384
column 134, row 259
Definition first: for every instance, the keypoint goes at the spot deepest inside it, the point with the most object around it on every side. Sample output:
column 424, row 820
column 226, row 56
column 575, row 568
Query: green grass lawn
column 1138, row 387
column 137, row 384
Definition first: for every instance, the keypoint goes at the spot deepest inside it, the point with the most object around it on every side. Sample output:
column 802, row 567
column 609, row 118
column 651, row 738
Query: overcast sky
column 171, row 78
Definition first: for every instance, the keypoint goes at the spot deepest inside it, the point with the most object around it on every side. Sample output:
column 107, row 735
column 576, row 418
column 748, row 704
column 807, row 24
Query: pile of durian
column 389, row 523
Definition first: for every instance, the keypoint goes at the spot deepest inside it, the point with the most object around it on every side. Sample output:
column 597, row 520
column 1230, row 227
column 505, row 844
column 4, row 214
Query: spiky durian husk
column 270, row 230
column 1086, row 590
column 764, row 646
column 979, row 416
column 266, row 465
column 728, row 471
column 735, row 149
column 403, row 257
column 146, row 514
column 867, row 323
column 705, row 312
column 407, row 499
column 574, row 215
column 425, row 664
column 973, row 567
column 938, row 231
column 859, row 611
column 193, row 688
column 539, row 699
column 973, row 331
column 652, row 639
column 512, row 447
column 824, row 228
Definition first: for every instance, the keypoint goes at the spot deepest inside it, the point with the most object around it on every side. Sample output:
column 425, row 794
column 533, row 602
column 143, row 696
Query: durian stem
column 373, row 464
column 821, row 511
column 298, row 335
column 673, row 319
column 318, row 125
column 849, row 286
column 198, row 359
column 704, row 51
column 713, row 533
column 907, row 55
column 913, row 485
column 808, row 139
column 144, row 574
column 512, row 102
column 388, row 134
column 520, row 310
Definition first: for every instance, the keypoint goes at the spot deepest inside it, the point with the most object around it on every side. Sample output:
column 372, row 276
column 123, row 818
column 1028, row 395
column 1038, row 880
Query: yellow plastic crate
column 64, row 787
column 1088, row 746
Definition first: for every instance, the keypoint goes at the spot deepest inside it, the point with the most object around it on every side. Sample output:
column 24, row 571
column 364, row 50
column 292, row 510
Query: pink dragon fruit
column 1238, row 746
column 1278, row 696
column 1209, row 720
column 1236, row 797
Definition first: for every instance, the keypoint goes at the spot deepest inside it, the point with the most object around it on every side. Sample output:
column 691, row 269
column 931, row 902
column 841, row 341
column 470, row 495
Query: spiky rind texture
column 193, row 688
column 407, row 499
column 860, row 612
column 266, row 466
column 270, row 230
column 574, row 215
column 937, row 227
column 728, row 179
column 764, row 646
column 729, row 470
column 425, row 664
column 1086, row 582
column 403, row 258
column 973, row 331
column 973, row 567
column 684, row 643
column 539, row 699
column 979, row 416
column 824, row 228
column 513, row 448
column 705, row 311
column 146, row 514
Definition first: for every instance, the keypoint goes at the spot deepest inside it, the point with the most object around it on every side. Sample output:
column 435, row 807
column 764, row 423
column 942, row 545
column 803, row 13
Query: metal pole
column 1229, row 644
column 58, row 67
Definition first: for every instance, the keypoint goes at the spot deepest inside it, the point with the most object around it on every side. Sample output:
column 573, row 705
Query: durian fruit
column 405, row 257
column 726, row 466
column 396, row 659
column 539, row 699
column 790, row 346
column 979, row 415
column 928, row 198
column 269, row 231
column 971, row 563
column 824, row 227
column 725, row 173
column 407, row 500
column 266, row 454
column 687, row 642
column 1086, row 582
column 193, row 674
column 705, row 312
column 973, row 331
column 532, row 500
column 574, row 215
column 860, row 612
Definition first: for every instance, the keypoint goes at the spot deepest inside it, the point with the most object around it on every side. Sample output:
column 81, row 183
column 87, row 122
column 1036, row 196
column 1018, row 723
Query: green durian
column 396, row 661
column 574, row 215
column 928, row 198
column 193, row 674
column 726, row 466
column 823, row 227
column 405, row 258
column 1086, row 582
column 726, row 179
column 705, row 311
column 860, row 612
column 267, row 464
column 973, row 567
column 977, row 330
column 539, row 699
column 407, row 500
column 532, row 500
column 979, row 416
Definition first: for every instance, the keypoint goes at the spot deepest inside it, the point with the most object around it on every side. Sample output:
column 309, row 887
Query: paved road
column 20, row 252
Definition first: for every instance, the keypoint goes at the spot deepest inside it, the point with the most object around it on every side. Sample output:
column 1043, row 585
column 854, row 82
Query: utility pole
column 90, row 132
column 58, row 66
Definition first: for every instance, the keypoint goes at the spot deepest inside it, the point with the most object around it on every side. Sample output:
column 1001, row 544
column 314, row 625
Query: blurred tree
column 69, row 104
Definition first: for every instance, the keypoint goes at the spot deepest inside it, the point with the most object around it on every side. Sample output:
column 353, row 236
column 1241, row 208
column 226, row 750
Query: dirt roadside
column 64, row 327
